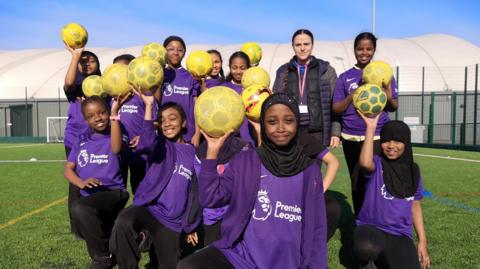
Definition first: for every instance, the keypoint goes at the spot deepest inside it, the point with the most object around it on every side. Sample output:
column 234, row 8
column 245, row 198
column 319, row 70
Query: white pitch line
column 21, row 146
column 28, row 161
column 447, row 158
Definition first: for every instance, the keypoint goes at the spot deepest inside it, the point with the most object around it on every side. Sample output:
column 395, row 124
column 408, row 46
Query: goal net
column 55, row 129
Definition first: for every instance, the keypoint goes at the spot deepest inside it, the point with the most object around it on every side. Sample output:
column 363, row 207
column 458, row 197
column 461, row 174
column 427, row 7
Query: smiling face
column 87, row 65
column 175, row 53
column 364, row 52
column 280, row 124
column 172, row 124
column 303, row 46
column 237, row 68
column 217, row 64
column 393, row 149
column 97, row 116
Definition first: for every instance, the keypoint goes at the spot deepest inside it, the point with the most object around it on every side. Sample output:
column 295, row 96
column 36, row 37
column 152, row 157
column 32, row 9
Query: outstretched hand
column 74, row 52
column 147, row 99
column 369, row 121
column 215, row 143
column 118, row 102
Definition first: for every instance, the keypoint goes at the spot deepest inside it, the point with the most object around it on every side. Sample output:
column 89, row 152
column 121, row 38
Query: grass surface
column 43, row 240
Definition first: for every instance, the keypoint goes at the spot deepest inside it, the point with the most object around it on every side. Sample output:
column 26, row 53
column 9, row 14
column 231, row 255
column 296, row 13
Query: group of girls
column 254, row 198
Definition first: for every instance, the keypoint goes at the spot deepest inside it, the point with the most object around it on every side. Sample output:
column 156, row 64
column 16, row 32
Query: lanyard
column 301, row 81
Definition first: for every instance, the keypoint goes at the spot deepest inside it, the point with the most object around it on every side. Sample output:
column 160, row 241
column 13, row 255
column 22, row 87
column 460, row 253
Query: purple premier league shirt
column 244, row 129
column 213, row 81
column 172, row 202
column 93, row 158
column 388, row 213
column 272, row 238
column 180, row 87
column 76, row 124
column 132, row 114
column 352, row 123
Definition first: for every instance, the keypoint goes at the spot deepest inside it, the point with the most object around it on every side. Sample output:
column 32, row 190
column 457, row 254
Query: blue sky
column 37, row 24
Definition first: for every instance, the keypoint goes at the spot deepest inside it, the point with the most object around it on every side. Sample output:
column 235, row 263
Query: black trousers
column 93, row 217
column 138, row 167
column 211, row 233
column 386, row 250
column 73, row 196
column 124, row 240
column 351, row 150
column 207, row 258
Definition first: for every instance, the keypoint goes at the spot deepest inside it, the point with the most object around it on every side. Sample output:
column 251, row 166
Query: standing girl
column 238, row 64
column 180, row 86
column 276, row 217
column 94, row 167
column 216, row 77
column 164, row 204
column 353, row 127
column 82, row 65
column 392, row 201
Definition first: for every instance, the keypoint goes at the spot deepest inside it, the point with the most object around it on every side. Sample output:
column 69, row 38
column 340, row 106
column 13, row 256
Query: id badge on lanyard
column 301, row 88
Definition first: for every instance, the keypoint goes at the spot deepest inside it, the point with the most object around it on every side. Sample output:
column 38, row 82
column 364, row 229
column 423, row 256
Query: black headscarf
column 282, row 161
column 401, row 176
column 232, row 145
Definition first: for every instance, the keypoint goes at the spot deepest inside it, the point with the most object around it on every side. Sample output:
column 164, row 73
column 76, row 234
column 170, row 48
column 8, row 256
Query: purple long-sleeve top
column 238, row 187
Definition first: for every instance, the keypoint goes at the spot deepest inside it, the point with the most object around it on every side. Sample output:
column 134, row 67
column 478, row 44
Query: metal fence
column 437, row 116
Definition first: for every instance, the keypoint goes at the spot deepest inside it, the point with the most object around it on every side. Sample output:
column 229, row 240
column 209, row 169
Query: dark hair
column 174, row 38
column 124, row 57
column 87, row 53
column 173, row 105
column 237, row 54
column 365, row 35
column 302, row 31
column 94, row 99
column 214, row 51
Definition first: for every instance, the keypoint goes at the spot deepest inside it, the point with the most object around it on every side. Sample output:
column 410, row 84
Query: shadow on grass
column 346, row 226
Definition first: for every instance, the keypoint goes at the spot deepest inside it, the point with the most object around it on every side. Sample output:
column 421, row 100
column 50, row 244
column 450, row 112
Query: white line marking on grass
column 31, row 161
column 22, row 146
column 447, row 158
column 31, row 213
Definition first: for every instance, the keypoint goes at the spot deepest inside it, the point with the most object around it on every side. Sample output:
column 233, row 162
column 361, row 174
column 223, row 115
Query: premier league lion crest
column 263, row 207
column 82, row 158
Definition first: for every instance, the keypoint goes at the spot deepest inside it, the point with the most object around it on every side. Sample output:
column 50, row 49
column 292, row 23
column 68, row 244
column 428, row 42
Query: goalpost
column 55, row 128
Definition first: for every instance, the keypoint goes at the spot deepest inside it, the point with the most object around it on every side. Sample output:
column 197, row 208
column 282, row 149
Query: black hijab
column 401, row 176
column 232, row 145
column 282, row 161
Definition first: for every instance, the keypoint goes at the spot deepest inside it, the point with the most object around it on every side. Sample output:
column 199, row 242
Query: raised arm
column 72, row 68
column 115, row 130
column 366, row 153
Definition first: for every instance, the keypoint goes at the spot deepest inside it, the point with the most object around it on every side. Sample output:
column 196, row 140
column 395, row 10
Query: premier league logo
column 82, row 158
column 168, row 90
column 385, row 194
column 263, row 207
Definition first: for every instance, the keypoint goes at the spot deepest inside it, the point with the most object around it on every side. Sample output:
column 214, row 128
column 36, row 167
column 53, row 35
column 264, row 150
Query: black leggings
column 124, row 242
column 351, row 150
column 93, row 217
column 386, row 250
column 207, row 258
column 73, row 196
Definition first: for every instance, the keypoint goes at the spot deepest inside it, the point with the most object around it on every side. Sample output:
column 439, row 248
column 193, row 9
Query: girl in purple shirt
column 276, row 217
column 392, row 201
column 83, row 64
column 239, row 63
column 216, row 77
column 94, row 167
column 164, row 205
column 353, row 127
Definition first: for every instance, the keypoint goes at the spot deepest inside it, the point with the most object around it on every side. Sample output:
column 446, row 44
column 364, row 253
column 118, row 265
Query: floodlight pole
column 373, row 17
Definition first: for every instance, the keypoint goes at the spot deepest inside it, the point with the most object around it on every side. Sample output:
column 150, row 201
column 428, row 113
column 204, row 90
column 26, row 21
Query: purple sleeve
column 319, row 255
column 195, row 88
column 215, row 189
column 322, row 154
column 393, row 83
column 197, row 164
column 73, row 154
column 339, row 90
column 419, row 193
column 148, row 138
